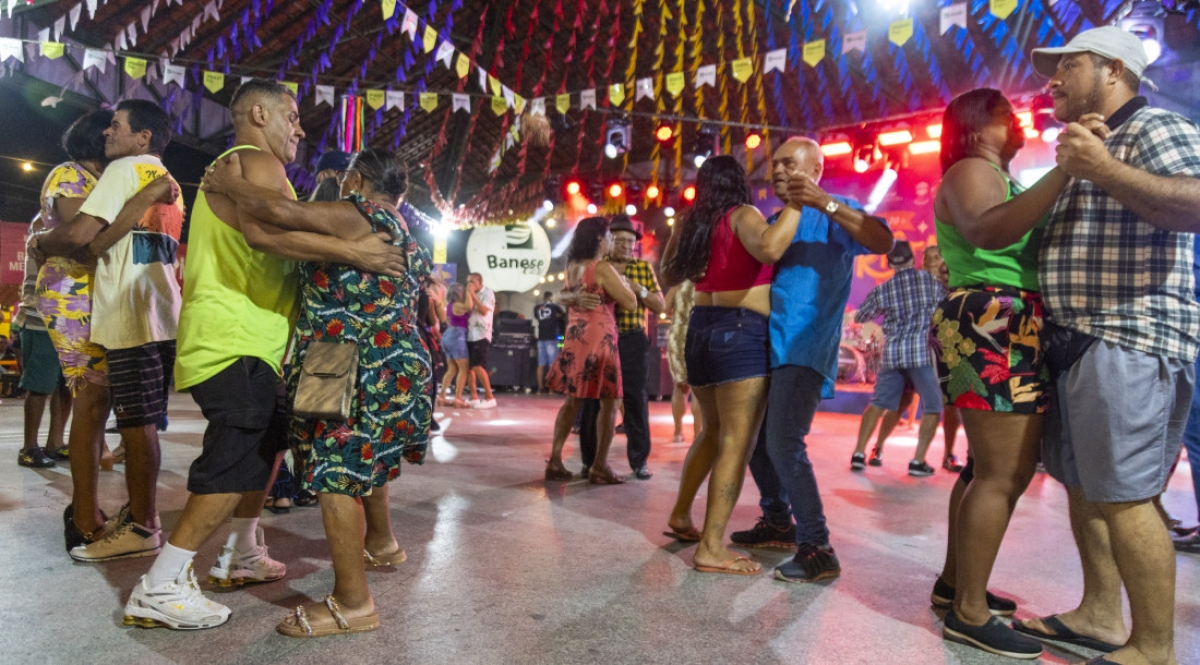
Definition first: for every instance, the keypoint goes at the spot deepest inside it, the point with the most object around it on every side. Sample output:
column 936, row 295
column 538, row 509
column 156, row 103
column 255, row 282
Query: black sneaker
column 811, row 564
column 919, row 469
column 994, row 637
column 858, row 462
column 765, row 534
column 434, row 426
column 876, row 458
column 60, row 454
column 71, row 533
column 943, row 598
column 35, row 458
column 643, row 473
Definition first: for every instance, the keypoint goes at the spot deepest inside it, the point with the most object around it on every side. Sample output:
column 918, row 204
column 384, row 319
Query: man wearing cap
column 1115, row 270
column 632, row 346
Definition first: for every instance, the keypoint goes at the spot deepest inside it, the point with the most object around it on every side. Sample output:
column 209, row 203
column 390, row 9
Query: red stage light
column 652, row 192
column 689, row 193
column 1026, row 118
column 664, row 133
column 615, row 190
column 934, row 130
column 753, row 141
column 895, row 138
column 836, row 149
column 1031, row 133
column 573, row 187
column 924, row 147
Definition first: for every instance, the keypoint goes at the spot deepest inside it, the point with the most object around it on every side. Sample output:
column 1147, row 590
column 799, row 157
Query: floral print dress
column 588, row 366
column 64, row 288
column 392, row 406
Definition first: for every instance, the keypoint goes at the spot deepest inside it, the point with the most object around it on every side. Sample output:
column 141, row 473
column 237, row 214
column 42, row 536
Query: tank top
column 457, row 320
column 730, row 266
column 1015, row 265
column 237, row 301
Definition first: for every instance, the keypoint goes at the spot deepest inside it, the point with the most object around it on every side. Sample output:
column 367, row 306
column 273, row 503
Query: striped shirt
column 906, row 302
column 637, row 272
column 1105, row 272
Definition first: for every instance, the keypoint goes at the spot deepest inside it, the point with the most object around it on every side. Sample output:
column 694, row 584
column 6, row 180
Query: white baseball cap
column 1109, row 41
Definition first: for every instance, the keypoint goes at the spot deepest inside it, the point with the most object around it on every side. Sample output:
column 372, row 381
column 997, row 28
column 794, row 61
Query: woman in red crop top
column 726, row 246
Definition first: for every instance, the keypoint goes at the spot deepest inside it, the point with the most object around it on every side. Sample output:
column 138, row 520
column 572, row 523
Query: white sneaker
column 126, row 541
column 178, row 605
column 237, row 568
column 484, row 404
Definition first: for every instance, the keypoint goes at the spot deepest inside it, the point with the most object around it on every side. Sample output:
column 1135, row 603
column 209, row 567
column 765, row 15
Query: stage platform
column 506, row 568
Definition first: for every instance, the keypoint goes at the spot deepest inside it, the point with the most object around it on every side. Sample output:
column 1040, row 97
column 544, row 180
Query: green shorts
column 42, row 373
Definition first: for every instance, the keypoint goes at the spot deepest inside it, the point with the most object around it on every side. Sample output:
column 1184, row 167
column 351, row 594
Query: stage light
column 591, row 208
column 934, row 131
column 547, row 205
column 689, row 193
column 753, row 141
column 898, row 137
column 630, row 210
column 866, row 155
column 550, row 223
column 699, row 160
column 615, row 190
column 1031, row 133
column 670, row 221
column 27, row 167
column 573, row 187
column 836, row 149
column 562, row 275
column 664, row 133
column 536, row 293
column 1026, row 118
column 610, row 151
column 1045, row 124
column 706, row 144
column 924, row 147
column 653, row 192
column 1050, row 134
column 1146, row 20
column 669, row 211
column 616, row 141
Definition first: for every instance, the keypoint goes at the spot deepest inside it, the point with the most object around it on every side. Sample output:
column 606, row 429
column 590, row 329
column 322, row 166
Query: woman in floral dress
column 588, row 366
column 348, row 463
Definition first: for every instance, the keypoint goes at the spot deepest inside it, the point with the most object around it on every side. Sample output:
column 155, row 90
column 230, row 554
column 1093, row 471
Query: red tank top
column 730, row 266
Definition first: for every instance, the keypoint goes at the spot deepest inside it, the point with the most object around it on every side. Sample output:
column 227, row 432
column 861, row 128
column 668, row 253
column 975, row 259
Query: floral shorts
column 988, row 345
column 64, row 290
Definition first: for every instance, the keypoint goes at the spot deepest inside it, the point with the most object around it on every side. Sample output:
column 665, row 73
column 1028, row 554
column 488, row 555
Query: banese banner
column 513, row 257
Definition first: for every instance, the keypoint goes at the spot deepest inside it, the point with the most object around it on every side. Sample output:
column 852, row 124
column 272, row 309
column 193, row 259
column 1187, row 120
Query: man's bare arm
column 70, row 236
column 160, row 190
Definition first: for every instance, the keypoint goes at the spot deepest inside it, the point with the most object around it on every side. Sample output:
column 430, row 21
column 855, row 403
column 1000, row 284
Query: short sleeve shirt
column 637, row 271
column 1105, row 272
column 479, row 327
column 809, row 294
column 136, row 295
column 906, row 302
column 550, row 319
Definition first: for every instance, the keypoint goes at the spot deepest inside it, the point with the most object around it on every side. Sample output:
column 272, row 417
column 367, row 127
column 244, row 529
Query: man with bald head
column 808, row 297
column 239, row 305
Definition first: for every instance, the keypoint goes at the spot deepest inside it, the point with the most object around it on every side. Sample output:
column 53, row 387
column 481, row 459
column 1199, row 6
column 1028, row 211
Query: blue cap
column 336, row 160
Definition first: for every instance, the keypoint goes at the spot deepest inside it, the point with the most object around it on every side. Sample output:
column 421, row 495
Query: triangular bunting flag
column 75, row 12
column 135, row 67
column 174, row 73
column 537, row 106
column 375, row 99
column 854, row 41
column 409, row 27
column 462, row 65
column 242, row 80
column 131, row 30
column 899, row 32
column 146, row 12
column 1002, row 9
column 11, row 48
column 91, row 6
column 51, row 50
column 675, row 83
column 94, row 58
column 429, row 39
column 60, row 26
column 324, row 95
column 395, row 100
column 814, row 52
column 742, row 69
column 120, row 44
column 499, row 106
column 776, row 59
column 445, row 54
column 294, row 87
column 43, row 35
column 706, row 75
column 460, row 102
column 587, row 99
column 509, row 97
column 495, row 163
column 214, row 81
column 643, row 88
column 616, row 94
column 389, row 9
column 518, row 105
column 483, row 77
column 952, row 16
column 494, row 85
column 563, row 103
column 429, row 101
column 210, row 11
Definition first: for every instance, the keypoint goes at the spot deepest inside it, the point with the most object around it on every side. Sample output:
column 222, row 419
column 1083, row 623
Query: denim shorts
column 889, row 388
column 726, row 344
column 454, row 343
column 547, row 351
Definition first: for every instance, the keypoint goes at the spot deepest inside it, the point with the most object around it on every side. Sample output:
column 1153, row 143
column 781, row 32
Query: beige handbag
column 327, row 379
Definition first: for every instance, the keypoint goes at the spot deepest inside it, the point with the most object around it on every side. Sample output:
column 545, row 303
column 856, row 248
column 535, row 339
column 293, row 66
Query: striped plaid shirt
column 906, row 301
column 637, row 272
column 1108, row 274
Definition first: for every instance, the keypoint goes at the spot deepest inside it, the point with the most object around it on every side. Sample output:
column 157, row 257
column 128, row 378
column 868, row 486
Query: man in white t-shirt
column 479, row 338
column 135, row 310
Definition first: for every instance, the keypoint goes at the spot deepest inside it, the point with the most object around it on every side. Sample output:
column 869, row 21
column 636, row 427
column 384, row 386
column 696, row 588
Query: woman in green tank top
column 988, row 349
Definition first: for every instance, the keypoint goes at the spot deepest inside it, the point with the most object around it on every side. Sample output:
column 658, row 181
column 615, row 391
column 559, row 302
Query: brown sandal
column 557, row 472
column 604, row 477
column 297, row 625
column 392, row 559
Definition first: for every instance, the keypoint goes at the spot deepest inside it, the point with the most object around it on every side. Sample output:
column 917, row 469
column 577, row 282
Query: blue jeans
column 773, row 501
column 791, row 404
column 1191, row 441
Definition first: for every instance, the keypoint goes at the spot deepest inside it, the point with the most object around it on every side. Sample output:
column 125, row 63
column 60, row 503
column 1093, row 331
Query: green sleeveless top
column 236, row 301
column 1015, row 265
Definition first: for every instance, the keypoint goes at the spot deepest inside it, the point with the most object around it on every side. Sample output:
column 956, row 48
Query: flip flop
column 392, row 559
column 1063, row 634
column 727, row 568
column 688, row 535
column 297, row 624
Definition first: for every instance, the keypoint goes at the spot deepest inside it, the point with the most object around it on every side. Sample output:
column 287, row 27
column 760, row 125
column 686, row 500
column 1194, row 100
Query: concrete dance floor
column 506, row 568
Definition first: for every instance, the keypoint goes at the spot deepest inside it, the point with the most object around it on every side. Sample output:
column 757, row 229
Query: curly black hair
column 720, row 185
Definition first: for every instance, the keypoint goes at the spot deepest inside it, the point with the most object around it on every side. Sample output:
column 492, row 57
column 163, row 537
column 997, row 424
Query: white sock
column 169, row 564
column 242, row 533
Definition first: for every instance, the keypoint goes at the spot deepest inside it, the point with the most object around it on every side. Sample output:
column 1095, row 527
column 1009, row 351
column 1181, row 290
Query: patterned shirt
column 1108, row 274
column 637, row 272
column 906, row 302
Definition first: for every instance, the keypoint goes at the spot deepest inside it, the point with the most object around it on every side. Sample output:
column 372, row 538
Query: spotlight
column 550, row 223
column 897, row 137
column 699, row 160
column 836, row 149
column 924, row 147
column 670, row 221
column 27, row 167
column 630, row 210
column 591, row 208
column 689, row 193
column 753, row 141
column 615, row 190
column 573, row 187
column 664, row 133
column 706, row 144
column 669, row 211
column 610, row 151
column 1146, row 21
column 653, row 192
column 616, row 138
column 934, row 130
column 862, row 159
column 547, row 205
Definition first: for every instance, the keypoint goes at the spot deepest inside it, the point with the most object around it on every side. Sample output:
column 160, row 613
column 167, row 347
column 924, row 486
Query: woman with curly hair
column 588, row 366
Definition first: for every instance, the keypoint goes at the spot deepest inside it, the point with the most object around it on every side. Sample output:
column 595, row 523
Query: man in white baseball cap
column 1122, row 336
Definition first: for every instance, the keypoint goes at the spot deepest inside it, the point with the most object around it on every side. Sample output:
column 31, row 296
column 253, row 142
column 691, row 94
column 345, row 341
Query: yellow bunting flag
column 499, row 106
column 463, row 65
column 814, row 52
column 52, row 50
column 899, row 32
column 214, row 81
column 439, row 249
column 430, row 38
column 1002, row 9
column 375, row 99
column 563, row 103
column 616, row 94
column 494, row 84
column 294, row 87
column 389, row 9
column 519, row 104
column 742, row 69
column 135, row 67
column 675, row 83
column 429, row 101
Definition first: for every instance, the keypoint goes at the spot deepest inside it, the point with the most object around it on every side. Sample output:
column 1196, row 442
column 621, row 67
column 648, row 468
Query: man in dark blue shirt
column 551, row 321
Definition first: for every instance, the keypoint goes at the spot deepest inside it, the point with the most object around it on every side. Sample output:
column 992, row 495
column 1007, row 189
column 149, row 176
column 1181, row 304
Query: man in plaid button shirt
column 1116, row 276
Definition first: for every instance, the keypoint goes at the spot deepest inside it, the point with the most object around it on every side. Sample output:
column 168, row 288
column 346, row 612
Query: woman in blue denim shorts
column 454, row 344
column 726, row 247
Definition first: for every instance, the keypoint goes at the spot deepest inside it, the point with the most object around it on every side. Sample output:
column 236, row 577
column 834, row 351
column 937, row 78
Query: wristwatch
column 832, row 207
column 643, row 292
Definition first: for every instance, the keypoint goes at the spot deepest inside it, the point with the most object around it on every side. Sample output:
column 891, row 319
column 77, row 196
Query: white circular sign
column 510, row 258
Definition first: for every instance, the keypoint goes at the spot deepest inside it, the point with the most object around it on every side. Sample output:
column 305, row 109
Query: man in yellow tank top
column 239, row 304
